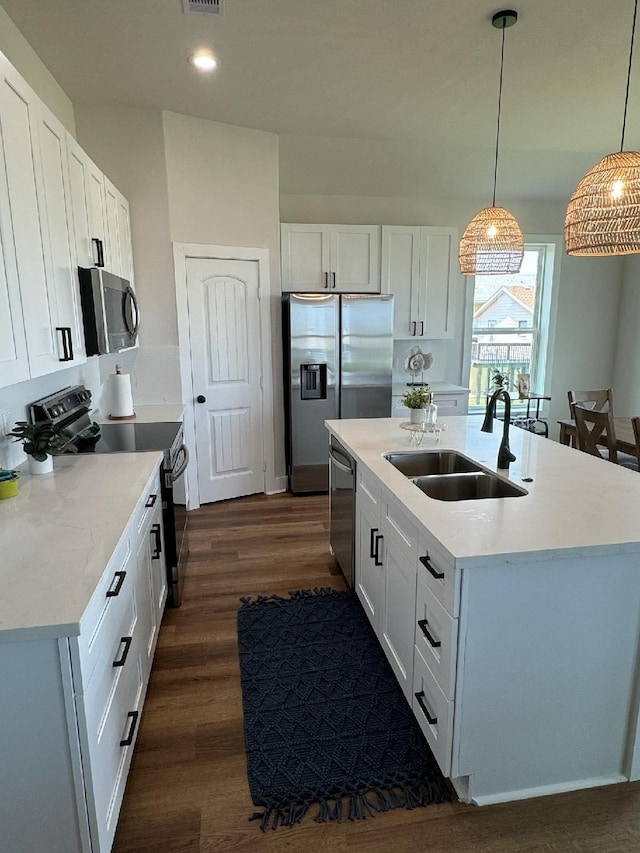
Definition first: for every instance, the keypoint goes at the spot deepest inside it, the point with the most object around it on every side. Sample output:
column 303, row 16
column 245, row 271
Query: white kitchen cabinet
column 88, row 207
column 386, row 553
column 72, row 704
column 340, row 258
column 450, row 400
column 419, row 267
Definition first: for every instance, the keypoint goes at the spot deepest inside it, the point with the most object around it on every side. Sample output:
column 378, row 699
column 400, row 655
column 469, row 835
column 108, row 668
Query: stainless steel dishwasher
column 342, row 505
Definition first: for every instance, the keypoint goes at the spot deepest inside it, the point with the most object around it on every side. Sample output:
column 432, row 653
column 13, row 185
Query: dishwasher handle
column 346, row 468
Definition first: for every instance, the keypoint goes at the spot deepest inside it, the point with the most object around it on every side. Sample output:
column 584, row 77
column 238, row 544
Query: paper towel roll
column 121, row 396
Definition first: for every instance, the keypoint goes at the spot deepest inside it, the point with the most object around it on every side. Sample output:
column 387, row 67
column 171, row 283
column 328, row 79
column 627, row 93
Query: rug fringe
column 294, row 595
column 359, row 805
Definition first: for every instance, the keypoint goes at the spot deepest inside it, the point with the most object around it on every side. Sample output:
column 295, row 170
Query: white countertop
column 574, row 502
column 144, row 414
column 57, row 536
column 399, row 388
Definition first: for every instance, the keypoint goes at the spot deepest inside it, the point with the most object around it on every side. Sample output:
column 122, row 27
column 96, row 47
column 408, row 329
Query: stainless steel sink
column 467, row 486
column 427, row 462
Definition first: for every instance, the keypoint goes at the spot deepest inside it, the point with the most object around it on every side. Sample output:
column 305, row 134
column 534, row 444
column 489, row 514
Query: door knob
column 201, row 399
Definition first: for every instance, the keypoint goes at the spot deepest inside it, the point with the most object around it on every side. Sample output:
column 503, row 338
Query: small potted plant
column 499, row 380
column 417, row 401
column 41, row 441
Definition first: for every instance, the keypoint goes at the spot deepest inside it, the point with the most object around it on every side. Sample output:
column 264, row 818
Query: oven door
column 175, row 524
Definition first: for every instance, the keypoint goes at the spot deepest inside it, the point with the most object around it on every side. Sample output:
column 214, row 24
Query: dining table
column 625, row 439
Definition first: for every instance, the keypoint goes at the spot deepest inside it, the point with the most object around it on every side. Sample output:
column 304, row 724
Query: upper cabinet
column 339, row 258
column 419, row 266
column 57, row 212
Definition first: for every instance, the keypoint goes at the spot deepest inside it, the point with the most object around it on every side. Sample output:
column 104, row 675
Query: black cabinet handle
column 133, row 716
column 414, row 326
column 425, row 562
column 155, row 531
column 422, row 624
column 125, row 651
column 376, row 556
column 119, row 579
column 334, row 280
column 67, row 343
column 372, row 547
column 99, row 250
column 431, row 720
column 326, row 280
column 151, row 500
column 201, row 398
column 421, row 328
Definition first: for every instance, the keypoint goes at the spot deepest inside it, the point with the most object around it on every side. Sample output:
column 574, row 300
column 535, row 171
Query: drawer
column 117, row 653
column 151, row 498
column 434, row 713
column 436, row 638
column 452, row 404
column 110, row 747
column 436, row 570
column 104, row 613
column 368, row 491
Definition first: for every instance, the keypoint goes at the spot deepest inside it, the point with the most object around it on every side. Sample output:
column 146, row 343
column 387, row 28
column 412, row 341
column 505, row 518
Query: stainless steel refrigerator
column 338, row 353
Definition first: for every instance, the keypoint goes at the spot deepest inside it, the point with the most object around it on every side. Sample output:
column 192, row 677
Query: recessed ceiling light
column 204, row 60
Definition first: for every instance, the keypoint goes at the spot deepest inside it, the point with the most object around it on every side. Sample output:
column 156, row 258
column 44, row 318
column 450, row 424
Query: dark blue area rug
column 325, row 720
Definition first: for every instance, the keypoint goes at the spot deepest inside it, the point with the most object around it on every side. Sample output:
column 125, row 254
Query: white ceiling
column 375, row 97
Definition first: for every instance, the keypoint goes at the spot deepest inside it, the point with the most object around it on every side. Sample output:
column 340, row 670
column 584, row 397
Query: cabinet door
column 54, row 196
column 397, row 634
column 124, row 237
column 113, row 255
column 369, row 563
column 400, row 276
column 14, row 363
column 355, row 258
column 87, row 204
column 438, row 275
column 21, row 162
column 145, row 595
column 305, row 252
column 158, row 565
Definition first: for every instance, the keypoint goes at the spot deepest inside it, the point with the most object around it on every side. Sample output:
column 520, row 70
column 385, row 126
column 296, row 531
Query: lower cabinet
column 386, row 557
column 76, row 702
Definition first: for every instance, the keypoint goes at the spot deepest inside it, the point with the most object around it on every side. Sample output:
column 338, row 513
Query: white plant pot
column 36, row 467
column 417, row 416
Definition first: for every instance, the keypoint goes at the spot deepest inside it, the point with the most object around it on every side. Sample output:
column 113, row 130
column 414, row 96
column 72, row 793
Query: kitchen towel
column 121, row 396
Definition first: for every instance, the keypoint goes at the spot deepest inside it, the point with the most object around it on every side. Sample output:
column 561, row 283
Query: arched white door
column 224, row 332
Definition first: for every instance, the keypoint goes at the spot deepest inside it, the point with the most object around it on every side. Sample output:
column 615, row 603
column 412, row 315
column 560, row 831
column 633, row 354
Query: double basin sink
column 449, row 476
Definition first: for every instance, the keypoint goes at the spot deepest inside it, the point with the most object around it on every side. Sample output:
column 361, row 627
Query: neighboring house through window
column 510, row 325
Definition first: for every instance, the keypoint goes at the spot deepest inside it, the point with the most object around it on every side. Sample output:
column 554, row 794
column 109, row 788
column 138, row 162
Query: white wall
column 626, row 380
column 22, row 56
column 223, row 190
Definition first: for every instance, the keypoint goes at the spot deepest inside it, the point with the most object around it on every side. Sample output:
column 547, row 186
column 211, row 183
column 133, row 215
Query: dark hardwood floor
column 187, row 789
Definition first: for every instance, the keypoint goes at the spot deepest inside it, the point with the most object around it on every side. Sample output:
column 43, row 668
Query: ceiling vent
column 213, row 6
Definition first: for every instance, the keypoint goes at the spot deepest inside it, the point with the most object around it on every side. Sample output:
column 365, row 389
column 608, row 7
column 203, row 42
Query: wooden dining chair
column 599, row 401
column 635, row 423
column 595, row 431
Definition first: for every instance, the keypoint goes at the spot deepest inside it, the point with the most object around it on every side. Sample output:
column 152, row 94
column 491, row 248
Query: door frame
column 182, row 251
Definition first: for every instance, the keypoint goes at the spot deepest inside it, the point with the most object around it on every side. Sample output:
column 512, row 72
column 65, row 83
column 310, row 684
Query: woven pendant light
column 603, row 215
column 492, row 243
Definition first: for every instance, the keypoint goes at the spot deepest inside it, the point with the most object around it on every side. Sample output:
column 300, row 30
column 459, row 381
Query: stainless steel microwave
column 110, row 312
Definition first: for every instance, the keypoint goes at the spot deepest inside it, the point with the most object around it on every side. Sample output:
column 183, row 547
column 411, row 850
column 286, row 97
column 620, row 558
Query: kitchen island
column 512, row 624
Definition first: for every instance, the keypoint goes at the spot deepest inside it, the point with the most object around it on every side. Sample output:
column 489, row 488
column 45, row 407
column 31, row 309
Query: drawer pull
column 422, row 624
column 376, row 557
column 426, row 563
column 119, row 579
column 133, row 716
column 151, row 500
column 372, row 547
column 157, row 550
column 431, row 720
column 125, row 651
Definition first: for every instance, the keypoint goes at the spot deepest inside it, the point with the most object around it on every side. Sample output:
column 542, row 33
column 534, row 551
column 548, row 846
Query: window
column 510, row 325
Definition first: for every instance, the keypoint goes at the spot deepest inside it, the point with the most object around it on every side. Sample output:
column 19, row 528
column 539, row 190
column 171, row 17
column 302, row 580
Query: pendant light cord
column 626, row 96
column 495, row 168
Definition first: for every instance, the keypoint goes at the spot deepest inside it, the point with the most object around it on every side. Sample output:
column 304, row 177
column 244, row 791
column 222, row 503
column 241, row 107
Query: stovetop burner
column 127, row 437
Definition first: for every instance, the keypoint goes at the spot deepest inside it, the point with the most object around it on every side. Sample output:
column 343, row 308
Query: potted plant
column 41, row 441
column 499, row 380
column 417, row 401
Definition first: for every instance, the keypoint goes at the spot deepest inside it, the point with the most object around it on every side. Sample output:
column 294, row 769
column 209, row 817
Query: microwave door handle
column 179, row 470
column 135, row 312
